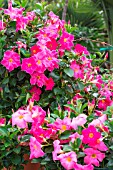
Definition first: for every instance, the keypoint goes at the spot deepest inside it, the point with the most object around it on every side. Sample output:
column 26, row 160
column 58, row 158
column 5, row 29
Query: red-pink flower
column 104, row 103
column 68, row 160
column 78, row 72
column 2, row 121
column 66, row 41
column 49, row 84
column 35, row 49
column 28, row 65
column 38, row 79
column 35, row 93
column 79, row 50
column 35, row 149
column 21, row 118
column 90, row 135
column 93, row 156
column 11, row 60
column 52, row 44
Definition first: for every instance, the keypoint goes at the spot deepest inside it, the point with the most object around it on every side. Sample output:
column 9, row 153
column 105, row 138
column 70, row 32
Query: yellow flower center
column 49, row 58
column 94, row 156
column 10, row 60
column 45, row 35
column 91, row 135
column 29, row 64
column 39, row 62
column 21, row 117
column 64, row 127
column 68, row 159
column 76, row 70
column 103, row 101
column 65, row 39
column 34, row 51
column 38, row 77
column 35, row 147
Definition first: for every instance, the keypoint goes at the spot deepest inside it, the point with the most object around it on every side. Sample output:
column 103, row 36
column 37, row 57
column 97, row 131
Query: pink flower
column 38, row 114
column 66, row 41
column 78, row 73
column 52, row 44
column 21, row 118
column 11, row 60
column 90, row 135
column 49, row 84
column 35, row 93
column 35, row 49
column 62, row 125
column 2, row 25
column 2, row 121
column 21, row 45
column 80, row 120
column 68, row 160
column 93, row 156
column 79, row 50
column 13, row 12
column 57, row 149
column 35, row 149
column 104, row 103
column 74, row 136
column 28, row 65
column 83, row 167
column 38, row 79
column 100, row 145
column 98, row 122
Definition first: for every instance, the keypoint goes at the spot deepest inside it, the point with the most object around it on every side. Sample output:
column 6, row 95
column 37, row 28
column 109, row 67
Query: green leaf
column 67, row 148
column 80, row 85
column 25, row 138
column 36, row 160
column 25, row 52
column 3, row 131
column 5, row 80
column 17, row 150
column 69, row 72
column 21, row 75
column 65, row 135
column 57, row 90
column 16, row 160
column 39, row 6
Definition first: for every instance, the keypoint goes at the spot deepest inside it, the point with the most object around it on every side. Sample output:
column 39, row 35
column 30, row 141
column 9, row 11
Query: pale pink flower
column 28, row 65
column 35, row 148
column 57, row 149
column 93, row 156
column 21, row 45
column 74, row 136
column 68, row 160
column 99, row 122
column 21, row 118
column 80, row 120
column 11, row 60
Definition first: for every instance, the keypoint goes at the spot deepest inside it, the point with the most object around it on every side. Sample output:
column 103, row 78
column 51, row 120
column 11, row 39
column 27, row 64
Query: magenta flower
column 21, row 118
column 68, row 160
column 13, row 12
column 104, row 103
column 78, row 72
column 2, row 121
column 2, row 25
column 49, row 84
column 83, row 167
column 28, row 65
column 35, row 149
column 35, row 93
column 11, row 60
column 93, row 156
column 38, row 79
column 80, row 120
column 79, row 50
column 66, row 41
column 90, row 135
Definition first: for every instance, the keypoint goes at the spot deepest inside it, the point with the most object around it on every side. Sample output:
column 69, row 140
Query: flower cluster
column 76, row 128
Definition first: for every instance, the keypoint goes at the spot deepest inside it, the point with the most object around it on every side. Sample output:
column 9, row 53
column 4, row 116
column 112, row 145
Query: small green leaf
column 39, row 6
column 65, row 135
column 24, row 52
column 69, row 72
column 16, row 160
column 3, row 131
column 17, row 150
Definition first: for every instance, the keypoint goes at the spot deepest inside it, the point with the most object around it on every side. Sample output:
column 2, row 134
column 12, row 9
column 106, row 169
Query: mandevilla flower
column 93, row 156
column 11, row 60
column 68, row 160
column 35, row 148
column 90, row 135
